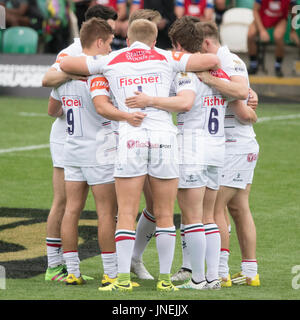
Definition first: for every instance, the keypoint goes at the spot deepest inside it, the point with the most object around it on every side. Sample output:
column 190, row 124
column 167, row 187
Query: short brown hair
column 142, row 30
column 93, row 29
column 148, row 14
column 208, row 29
column 183, row 32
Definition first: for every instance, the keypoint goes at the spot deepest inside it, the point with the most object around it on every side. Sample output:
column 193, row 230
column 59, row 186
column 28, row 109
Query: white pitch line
column 34, row 147
column 286, row 117
column 33, row 114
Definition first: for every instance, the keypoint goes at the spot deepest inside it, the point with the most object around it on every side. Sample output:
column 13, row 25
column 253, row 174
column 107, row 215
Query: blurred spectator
column 80, row 8
column 268, row 14
column 220, row 8
column 57, row 25
column 202, row 9
column 166, row 9
column 120, row 6
column 22, row 13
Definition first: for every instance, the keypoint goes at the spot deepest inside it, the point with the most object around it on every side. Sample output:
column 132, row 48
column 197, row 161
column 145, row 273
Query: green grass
column 25, row 180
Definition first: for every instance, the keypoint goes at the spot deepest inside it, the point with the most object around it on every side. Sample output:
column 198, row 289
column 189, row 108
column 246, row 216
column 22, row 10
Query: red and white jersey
column 58, row 130
column 202, row 128
column 74, row 49
column 111, row 3
column 239, row 137
column 195, row 7
column 86, row 129
column 140, row 68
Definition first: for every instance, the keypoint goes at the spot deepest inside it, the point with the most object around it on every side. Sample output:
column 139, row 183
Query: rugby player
column 150, row 150
column 202, row 147
column 236, row 177
column 54, row 77
column 87, row 157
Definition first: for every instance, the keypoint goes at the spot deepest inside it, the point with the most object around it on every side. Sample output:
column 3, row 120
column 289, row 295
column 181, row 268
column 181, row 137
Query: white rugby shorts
column 197, row 176
column 238, row 170
column 92, row 175
column 144, row 151
column 57, row 154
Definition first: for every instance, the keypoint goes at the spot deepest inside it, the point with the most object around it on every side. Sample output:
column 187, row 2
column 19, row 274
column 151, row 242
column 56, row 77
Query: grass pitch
column 26, row 183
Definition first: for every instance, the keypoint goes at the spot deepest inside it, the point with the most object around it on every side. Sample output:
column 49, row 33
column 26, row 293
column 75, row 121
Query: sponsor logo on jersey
column 99, row 83
column 60, row 57
column 219, row 74
column 183, row 82
column 216, row 101
column 252, row 157
column 150, row 78
column 177, row 55
column 146, row 144
column 137, row 55
column 71, row 101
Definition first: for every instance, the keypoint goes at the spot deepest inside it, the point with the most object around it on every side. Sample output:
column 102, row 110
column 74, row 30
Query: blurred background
column 264, row 33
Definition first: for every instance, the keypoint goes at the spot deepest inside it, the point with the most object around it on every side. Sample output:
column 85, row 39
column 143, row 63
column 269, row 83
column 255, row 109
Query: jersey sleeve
column 58, row 59
column 179, row 60
column 54, row 94
column 98, row 86
column 95, row 64
column 185, row 81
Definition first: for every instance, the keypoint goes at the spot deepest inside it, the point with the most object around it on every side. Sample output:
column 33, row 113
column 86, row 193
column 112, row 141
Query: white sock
column 124, row 245
column 165, row 244
column 110, row 264
column 223, row 265
column 249, row 268
column 186, row 263
column 72, row 262
column 144, row 232
column 196, row 243
column 213, row 247
column 54, row 252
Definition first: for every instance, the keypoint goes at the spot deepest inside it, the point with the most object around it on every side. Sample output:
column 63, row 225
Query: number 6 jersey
column 201, row 130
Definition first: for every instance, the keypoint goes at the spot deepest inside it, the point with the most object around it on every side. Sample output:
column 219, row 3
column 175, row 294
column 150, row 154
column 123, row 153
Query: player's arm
column 54, row 108
column 237, row 88
column 244, row 113
column 53, row 78
column 202, row 62
column 182, row 102
column 75, row 65
column 107, row 110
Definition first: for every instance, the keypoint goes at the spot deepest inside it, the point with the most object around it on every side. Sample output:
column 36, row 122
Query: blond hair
column 148, row 14
column 142, row 30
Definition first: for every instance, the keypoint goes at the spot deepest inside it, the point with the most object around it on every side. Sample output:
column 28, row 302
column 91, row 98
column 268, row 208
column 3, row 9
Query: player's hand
column 135, row 119
column 140, row 100
column 205, row 76
column 253, row 99
column 264, row 36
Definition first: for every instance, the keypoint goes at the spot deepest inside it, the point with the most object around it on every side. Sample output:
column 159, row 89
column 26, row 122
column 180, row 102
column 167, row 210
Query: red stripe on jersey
column 137, row 55
column 219, row 74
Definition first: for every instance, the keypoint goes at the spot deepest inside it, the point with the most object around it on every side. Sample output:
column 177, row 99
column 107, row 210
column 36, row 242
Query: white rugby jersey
column 58, row 129
column 87, row 131
column 202, row 128
column 140, row 68
column 239, row 137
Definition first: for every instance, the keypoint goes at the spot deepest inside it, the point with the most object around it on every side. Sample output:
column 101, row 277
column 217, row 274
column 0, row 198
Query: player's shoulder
column 238, row 63
column 74, row 49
